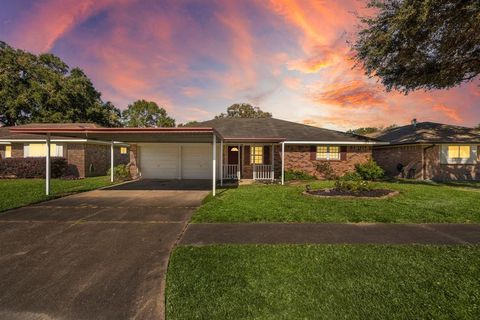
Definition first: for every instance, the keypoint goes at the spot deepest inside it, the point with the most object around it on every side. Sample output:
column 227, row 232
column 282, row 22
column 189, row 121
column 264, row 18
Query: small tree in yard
column 369, row 170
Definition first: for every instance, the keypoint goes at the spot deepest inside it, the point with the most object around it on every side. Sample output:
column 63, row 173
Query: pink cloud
column 47, row 21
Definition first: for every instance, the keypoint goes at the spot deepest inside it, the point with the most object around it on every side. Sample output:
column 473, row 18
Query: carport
column 165, row 153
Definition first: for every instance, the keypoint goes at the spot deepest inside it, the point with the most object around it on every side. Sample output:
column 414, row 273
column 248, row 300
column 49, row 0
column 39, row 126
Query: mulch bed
column 375, row 193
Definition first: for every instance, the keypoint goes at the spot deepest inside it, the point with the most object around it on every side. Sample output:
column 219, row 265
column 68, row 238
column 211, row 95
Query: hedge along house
column 430, row 151
column 85, row 157
column 230, row 149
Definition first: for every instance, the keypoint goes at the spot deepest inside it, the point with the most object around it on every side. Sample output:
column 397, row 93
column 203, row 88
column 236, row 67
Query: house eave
column 343, row 143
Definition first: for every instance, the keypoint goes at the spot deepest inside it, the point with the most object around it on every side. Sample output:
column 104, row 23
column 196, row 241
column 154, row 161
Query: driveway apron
column 96, row 255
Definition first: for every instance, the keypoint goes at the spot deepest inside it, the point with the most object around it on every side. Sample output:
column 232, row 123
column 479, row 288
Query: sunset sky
column 195, row 58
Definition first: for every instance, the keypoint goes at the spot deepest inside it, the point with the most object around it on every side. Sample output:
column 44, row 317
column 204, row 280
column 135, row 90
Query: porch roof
column 184, row 134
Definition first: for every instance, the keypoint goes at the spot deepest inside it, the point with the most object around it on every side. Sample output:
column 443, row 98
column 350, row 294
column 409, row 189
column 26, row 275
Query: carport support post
column 272, row 157
column 214, row 178
column 111, row 162
column 47, row 165
column 283, row 163
column 221, row 162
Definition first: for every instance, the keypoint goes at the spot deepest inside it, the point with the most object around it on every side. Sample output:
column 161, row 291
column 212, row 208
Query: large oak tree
column 43, row 88
column 411, row 44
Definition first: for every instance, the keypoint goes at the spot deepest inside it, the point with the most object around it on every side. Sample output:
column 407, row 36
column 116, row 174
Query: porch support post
column 239, row 162
column 214, row 178
column 283, row 163
column 221, row 162
column 273, row 162
column 47, row 165
column 111, row 162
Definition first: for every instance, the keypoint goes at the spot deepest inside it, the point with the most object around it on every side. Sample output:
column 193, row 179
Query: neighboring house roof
column 429, row 132
column 276, row 129
column 7, row 135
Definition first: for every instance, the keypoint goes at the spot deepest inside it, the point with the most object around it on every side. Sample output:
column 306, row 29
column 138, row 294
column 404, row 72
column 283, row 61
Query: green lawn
column 324, row 282
column 417, row 203
column 19, row 192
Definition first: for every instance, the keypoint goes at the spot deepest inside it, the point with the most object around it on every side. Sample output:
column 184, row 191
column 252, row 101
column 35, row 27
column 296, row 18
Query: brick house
column 252, row 148
column 246, row 149
column 430, row 151
column 85, row 157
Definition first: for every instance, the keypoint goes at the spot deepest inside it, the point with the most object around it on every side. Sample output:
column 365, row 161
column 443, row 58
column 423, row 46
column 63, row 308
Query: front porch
column 249, row 162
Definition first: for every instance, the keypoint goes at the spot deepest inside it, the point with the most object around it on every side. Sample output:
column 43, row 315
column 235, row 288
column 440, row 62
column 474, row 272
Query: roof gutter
column 343, row 143
column 113, row 130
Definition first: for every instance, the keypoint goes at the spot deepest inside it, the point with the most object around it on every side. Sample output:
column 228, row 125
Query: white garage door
column 197, row 161
column 159, row 161
column 173, row 161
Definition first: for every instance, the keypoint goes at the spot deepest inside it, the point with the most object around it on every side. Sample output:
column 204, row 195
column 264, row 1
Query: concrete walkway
column 298, row 233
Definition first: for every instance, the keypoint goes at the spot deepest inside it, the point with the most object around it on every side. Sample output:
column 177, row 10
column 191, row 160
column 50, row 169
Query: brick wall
column 133, row 160
column 390, row 157
column 298, row 157
column 75, row 154
column 97, row 160
column 17, row 150
column 434, row 170
column 426, row 162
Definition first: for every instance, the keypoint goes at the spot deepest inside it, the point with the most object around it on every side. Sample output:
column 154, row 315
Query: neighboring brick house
column 85, row 157
column 430, row 151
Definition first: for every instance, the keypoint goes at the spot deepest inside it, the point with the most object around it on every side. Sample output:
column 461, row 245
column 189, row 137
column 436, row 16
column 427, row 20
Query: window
column 458, row 152
column 8, row 151
column 123, row 150
column 38, row 150
column 328, row 153
column 256, row 155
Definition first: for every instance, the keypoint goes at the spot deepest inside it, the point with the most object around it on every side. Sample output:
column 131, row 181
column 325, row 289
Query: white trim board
column 336, row 143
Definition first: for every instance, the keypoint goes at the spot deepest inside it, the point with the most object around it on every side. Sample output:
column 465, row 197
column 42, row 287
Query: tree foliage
column 43, row 88
column 244, row 110
column 192, row 123
column 412, row 44
column 145, row 114
column 369, row 130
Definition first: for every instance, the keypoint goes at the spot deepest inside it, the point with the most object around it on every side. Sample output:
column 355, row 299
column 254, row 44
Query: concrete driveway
column 96, row 255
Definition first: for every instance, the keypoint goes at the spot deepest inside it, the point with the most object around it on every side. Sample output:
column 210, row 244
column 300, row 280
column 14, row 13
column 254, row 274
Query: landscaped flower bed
column 373, row 193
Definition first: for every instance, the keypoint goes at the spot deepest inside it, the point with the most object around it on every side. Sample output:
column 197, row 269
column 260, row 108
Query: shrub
column 326, row 170
column 352, row 182
column 298, row 175
column 369, row 170
column 120, row 172
column 32, row 167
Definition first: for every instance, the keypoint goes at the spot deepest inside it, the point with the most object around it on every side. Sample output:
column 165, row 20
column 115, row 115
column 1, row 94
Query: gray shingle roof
column 430, row 132
column 238, row 128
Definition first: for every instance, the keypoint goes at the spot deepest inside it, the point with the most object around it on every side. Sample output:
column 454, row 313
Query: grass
column 416, row 203
column 324, row 282
column 20, row 192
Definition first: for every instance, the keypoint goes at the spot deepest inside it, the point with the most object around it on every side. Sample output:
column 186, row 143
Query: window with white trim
column 123, row 150
column 328, row 153
column 8, row 151
column 39, row 150
column 458, row 154
column 256, row 155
